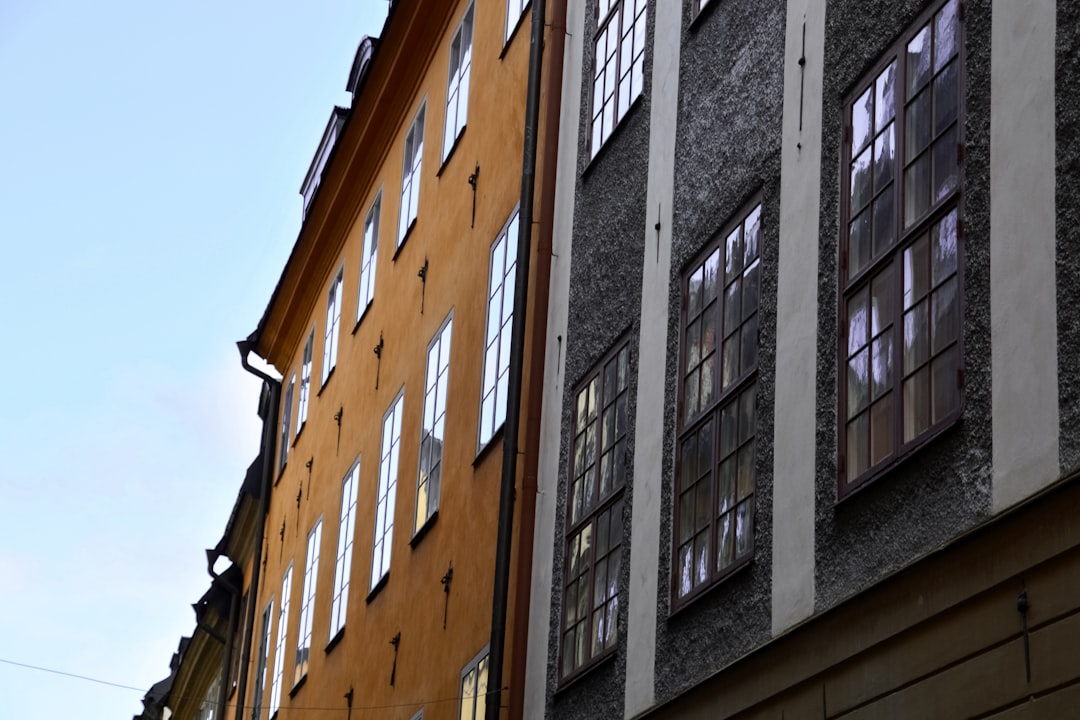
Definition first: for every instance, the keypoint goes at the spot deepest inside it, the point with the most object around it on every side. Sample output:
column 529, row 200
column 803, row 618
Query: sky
column 151, row 155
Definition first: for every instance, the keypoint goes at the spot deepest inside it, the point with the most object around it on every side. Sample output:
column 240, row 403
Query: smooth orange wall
column 430, row 658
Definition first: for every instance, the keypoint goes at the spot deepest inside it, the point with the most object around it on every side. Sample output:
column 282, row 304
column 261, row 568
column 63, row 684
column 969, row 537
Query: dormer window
column 314, row 173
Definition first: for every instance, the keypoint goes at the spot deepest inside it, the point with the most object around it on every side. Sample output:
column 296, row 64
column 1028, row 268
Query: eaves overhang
column 384, row 94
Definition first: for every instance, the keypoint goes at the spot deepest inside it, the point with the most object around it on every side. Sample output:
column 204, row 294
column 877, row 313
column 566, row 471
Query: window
column 474, row 688
column 340, row 602
column 434, row 428
column 333, row 319
column 514, row 10
column 305, row 382
column 900, row 252
column 715, row 473
column 263, row 657
column 307, row 603
column 208, row 708
column 618, row 64
column 500, row 322
column 286, row 414
column 410, row 176
column 457, row 88
column 384, row 501
column 368, row 254
column 594, row 515
column 279, row 648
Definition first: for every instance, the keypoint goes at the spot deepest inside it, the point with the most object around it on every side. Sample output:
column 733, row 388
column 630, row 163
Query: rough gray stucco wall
column 727, row 149
column 1067, row 73
column 944, row 487
column 605, row 302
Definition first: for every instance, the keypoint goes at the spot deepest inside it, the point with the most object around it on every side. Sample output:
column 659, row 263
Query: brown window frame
column 912, row 241
column 620, row 100
column 698, row 419
column 599, row 510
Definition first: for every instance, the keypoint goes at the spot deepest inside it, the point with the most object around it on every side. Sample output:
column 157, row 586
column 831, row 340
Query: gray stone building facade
column 809, row 445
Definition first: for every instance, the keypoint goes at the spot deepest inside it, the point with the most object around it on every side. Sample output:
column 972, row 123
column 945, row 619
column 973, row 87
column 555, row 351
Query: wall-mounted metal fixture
column 281, row 535
column 378, row 353
column 308, row 464
column 396, row 642
column 446, row 580
column 1022, row 606
column 348, row 701
column 423, row 283
column 337, row 419
column 472, row 181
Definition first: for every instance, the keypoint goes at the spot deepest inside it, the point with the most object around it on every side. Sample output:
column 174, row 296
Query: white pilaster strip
column 1023, row 296
column 652, row 362
column 554, row 361
column 795, row 421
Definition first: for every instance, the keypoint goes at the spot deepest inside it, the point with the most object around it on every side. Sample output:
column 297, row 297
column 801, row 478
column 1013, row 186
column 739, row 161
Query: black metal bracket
column 396, row 642
column 337, row 419
column 348, row 701
column 308, row 464
column 446, row 580
column 423, row 283
column 378, row 353
column 1022, row 606
column 472, row 181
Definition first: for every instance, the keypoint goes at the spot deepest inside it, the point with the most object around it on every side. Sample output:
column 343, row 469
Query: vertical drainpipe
column 230, row 632
column 505, row 536
column 538, row 341
column 266, row 451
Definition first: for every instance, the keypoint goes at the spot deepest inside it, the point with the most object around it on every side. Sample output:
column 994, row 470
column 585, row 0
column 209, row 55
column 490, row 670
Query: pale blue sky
column 150, row 159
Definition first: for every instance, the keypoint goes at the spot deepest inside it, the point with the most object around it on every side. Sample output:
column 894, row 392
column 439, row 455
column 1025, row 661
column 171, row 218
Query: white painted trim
column 1023, row 295
column 645, row 536
column 540, row 618
column 795, row 421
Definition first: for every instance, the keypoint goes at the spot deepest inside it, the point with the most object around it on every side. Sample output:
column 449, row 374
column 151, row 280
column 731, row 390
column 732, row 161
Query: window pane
column 916, row 272
column 945, row 392
column 918, row 61
column 884, row 156
column 945, row 98
column 944, row 165
column 884, row 94
column 742, row 529
column 916, row 404
column 918, row 126
column 943, row 249
column 945, row 325
column 858, row 382
column 858, row 446
column 860, row 180
column 857, row 322
column 732, row 306
column 729, row 472
column 862, row 113
column 881, row 365
column 916, row 337
column 725, row 540
column 945, row 31
column 747, row 471
column 884, row 221
column 858, row 243
column 881, row 429
column 751, row 288
column 881, row 301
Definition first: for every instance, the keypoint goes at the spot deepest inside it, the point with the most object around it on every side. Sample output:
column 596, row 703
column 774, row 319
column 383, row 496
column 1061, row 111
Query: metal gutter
column 505, row 536
column 267, row 452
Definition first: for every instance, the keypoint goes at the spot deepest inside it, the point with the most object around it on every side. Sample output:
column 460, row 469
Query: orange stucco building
column 391, row 329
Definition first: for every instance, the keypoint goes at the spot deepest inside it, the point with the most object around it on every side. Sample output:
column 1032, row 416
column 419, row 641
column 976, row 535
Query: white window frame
column 307, row 604
column 514, row 10
column 263, row 661
column 615, row 87
column 339, row 603
column 333, row 321
column 501, row 285
column 286, row 416
column 279, row 648
column 412, row 163
column 305, row 382
column 468, row 696
column 457, row 85
column 369, row 253
column 385, row 498
column 433, row 429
